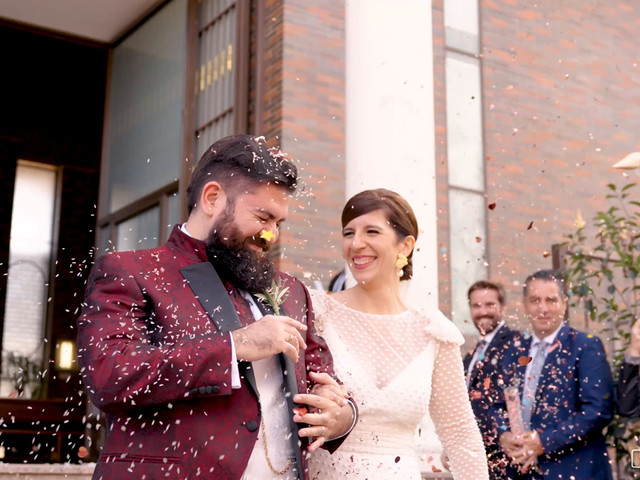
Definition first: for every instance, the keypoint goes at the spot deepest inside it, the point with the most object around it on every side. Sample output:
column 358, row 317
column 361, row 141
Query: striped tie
column 531, row 384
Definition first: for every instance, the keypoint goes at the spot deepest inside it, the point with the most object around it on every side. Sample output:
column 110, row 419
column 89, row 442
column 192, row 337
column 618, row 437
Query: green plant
column 26, row 374
column 603, row 278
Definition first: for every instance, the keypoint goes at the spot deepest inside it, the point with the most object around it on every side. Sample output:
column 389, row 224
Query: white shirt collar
column 549, row 338
column 183, row 229
column 490, row 336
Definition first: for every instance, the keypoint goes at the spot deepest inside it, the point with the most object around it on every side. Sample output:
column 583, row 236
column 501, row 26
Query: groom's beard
column 236, row 263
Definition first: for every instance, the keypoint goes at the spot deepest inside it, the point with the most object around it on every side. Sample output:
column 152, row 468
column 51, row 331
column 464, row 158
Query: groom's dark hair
column 239, row 162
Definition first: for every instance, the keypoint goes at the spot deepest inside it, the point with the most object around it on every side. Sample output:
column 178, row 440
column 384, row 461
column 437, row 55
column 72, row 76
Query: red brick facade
column 560, row 89
column 561, row 94
column 304, row 108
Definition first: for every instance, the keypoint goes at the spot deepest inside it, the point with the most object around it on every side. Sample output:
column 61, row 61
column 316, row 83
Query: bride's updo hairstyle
column 397, row 211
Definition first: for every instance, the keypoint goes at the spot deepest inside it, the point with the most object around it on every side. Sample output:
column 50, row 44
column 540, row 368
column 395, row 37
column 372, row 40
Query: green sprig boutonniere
column 275, row 295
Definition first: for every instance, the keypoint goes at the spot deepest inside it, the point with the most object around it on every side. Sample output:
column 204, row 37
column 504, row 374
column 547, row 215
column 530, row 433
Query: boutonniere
column 275, row 295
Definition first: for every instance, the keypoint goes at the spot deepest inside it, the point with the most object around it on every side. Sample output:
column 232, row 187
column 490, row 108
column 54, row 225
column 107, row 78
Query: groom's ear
column 213, row 199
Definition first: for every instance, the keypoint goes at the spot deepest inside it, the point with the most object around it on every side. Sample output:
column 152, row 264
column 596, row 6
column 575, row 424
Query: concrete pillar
column 390, row 117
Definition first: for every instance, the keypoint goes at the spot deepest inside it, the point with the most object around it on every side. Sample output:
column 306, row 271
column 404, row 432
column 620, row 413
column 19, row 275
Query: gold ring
column 290, row 338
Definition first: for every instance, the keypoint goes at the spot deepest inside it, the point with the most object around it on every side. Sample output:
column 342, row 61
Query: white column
column 390, row 118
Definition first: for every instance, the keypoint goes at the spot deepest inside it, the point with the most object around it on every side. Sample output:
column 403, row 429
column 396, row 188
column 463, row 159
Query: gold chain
column 266, row 453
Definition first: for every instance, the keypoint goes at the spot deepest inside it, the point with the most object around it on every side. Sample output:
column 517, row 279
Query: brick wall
column 304, row 108
column 440, row 155
column 561, row 92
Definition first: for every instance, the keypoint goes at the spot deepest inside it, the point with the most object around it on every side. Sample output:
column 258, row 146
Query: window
column 158, row 123
column 464, row 122
column 33, row 234
column 146, row 97
column 222, row 51
column 467, row 212
column 143, row 140
column 465, row 154
column 461, row 25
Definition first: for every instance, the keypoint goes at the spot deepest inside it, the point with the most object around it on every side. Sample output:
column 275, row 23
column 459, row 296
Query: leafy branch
column 604, row 279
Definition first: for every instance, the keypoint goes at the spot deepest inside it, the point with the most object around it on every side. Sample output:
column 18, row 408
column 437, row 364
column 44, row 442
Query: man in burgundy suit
column 198, row 377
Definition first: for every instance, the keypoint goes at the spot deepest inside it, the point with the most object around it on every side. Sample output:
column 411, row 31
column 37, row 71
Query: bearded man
column 487, row 305
column 197, row 376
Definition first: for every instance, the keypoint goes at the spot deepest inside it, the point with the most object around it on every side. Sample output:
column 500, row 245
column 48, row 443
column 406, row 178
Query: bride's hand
column 327, row 387
column 330, row 417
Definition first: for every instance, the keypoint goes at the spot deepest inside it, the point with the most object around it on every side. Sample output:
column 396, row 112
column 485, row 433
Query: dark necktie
column 478, row 356
column 245, row 315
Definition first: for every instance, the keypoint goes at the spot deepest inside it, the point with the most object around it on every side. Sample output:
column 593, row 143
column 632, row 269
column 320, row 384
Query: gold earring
column 401, row 262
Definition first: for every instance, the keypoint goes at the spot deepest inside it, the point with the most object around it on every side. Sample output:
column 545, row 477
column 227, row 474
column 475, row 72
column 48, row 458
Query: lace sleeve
column 452, row 416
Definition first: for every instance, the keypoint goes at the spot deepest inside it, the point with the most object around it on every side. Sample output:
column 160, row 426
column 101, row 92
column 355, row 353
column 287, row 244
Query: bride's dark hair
column 397, row 210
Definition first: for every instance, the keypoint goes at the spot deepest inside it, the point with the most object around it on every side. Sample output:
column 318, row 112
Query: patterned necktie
column 531, row 384
column 482, row 344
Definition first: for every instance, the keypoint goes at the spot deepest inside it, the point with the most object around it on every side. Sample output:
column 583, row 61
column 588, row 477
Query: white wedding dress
column 398, row 367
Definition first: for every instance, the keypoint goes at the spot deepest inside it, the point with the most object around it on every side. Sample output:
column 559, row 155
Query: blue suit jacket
column 484, row 392
column 574, row 402
column 484, row 380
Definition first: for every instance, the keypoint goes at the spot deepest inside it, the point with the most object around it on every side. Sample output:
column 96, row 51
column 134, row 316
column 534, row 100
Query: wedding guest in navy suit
column 487, row 304
column 566, row 392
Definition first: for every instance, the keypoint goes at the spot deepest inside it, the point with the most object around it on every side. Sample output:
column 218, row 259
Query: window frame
column 107, row 222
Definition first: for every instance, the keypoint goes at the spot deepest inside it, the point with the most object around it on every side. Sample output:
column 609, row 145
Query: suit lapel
column 521, row 367
column 290, row 387
column 488, row 353
column 212, row 295
column 467, row 358
column 210, row 292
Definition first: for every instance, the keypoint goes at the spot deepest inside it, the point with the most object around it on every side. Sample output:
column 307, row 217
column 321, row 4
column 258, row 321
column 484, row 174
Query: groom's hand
column 270, row 335
column 331, row 415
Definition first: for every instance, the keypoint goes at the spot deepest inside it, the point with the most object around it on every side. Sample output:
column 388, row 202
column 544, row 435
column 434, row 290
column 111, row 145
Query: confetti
column 524, row 360
column 268, row 235
column 530, row 225
column 546, row 253
column 492, row 206
column 478, row 239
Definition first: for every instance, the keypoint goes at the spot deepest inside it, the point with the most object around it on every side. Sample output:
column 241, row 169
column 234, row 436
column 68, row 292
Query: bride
column 399, row 363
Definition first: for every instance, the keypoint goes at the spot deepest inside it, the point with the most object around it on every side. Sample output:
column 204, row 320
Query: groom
column 198, row 377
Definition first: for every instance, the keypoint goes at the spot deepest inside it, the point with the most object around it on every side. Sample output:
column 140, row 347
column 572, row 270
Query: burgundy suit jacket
column 159, row 365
